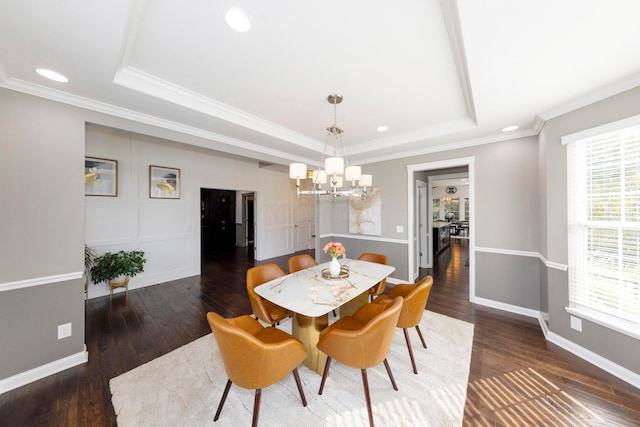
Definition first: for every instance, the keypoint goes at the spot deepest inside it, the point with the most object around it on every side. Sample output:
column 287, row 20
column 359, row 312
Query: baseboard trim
column 506, row 307
column 595, row 359
column 43, row 371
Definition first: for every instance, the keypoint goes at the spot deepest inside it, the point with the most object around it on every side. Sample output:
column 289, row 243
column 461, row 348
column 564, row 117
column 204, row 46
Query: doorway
column 217, row 219
column 420, row 172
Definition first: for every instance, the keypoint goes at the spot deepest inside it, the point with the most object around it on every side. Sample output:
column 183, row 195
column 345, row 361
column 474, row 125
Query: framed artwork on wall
column 364, row 214
column 164, row 182
column 100, row 177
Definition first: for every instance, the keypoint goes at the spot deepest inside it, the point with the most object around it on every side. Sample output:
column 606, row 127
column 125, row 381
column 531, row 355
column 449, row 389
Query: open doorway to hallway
column 227, row 223
column 433, row 215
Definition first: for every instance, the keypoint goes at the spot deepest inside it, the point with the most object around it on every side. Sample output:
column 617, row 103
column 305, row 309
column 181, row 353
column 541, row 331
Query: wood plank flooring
column 517, row 378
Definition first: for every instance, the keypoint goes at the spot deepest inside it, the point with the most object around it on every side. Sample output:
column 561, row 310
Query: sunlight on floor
column 526, row 398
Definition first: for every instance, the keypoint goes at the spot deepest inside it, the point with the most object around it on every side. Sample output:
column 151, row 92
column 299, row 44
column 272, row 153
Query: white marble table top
column 306, row 292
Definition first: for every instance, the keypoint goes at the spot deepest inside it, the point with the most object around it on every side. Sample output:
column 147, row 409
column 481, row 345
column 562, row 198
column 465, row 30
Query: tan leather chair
column 362, row 341
column 255, row 357
column 378, row 288
column 300, row 262
column 265, row 310
column 415, row 300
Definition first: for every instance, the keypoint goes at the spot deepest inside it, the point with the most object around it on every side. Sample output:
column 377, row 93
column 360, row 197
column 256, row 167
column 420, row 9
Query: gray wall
column 41, row 232
column 612, row 345
column 506, row 200
column 42, row 217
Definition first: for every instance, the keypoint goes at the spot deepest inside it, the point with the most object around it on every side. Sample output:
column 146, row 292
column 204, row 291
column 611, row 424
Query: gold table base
column 352, row 306
column 307, row 330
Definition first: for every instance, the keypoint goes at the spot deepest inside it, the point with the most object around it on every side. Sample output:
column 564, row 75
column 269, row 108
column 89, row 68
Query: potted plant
column 89, row 261
column 118, row 268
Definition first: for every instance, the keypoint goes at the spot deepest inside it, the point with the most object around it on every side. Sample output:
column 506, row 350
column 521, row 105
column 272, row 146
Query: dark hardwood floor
column 517, row 378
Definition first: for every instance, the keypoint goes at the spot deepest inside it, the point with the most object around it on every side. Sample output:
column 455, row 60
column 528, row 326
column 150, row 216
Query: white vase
column 334, row 267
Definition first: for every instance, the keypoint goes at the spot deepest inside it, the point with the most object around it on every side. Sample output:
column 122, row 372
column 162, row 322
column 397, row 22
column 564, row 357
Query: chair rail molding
column 28, row 283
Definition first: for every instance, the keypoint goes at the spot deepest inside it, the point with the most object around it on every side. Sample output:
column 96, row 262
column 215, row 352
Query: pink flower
column 334, row 249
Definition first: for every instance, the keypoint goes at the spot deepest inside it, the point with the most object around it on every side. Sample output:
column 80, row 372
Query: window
column 466, row 209
column 436, row 210
column 451, row 209
column 604, row 227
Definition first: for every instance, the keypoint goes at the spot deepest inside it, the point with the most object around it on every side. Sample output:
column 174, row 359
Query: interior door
column 303, row 213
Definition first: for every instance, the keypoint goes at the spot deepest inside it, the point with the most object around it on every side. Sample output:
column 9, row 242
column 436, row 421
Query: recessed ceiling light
column 509, row 128
column 237, row 20
column 382, row 128
column 52, row 75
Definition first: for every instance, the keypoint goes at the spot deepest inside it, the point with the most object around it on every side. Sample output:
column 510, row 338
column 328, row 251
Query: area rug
column 183, row 388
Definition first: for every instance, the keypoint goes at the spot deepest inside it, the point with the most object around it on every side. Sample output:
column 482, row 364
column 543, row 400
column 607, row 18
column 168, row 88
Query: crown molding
column 593, row 97
column 143, row 82
column 447, row 146
column 101, row 107
column 538, row 124
column 423, row 134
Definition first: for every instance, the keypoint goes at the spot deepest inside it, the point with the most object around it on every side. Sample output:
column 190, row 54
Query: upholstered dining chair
column 255, row 357
column 300, row 262
column 379, row 287
column 265, row 310
column 415, row 300
column 362, row 341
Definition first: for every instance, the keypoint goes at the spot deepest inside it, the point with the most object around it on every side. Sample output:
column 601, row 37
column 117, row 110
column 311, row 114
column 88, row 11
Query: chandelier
column 336, row 169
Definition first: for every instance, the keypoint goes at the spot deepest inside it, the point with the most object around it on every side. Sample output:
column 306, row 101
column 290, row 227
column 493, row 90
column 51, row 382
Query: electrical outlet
column 64, row 331
column 576, row 323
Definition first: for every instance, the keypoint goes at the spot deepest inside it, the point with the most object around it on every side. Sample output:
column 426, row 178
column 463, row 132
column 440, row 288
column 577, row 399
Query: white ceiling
column 437, row 73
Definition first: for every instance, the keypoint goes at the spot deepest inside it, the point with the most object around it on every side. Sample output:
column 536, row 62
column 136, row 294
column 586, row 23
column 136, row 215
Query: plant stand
column 119, row 283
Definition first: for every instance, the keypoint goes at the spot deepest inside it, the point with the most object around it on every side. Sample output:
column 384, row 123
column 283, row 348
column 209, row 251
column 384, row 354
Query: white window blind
column 604, row 225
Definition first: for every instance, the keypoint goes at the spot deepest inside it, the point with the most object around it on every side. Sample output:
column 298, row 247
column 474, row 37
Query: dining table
column 310, row 294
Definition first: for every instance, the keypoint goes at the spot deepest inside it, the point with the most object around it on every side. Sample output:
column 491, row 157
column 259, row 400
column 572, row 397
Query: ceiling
column 439, row 74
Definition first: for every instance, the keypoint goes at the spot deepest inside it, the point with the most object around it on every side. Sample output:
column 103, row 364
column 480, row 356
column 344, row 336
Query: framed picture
column 100, row 177
column 164, row 183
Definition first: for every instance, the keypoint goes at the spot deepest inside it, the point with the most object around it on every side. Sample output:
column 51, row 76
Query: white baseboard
column 506, row 307
column 595, row 359
column 40, row 372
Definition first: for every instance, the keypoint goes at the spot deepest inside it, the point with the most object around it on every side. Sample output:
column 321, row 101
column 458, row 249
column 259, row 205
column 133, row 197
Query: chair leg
column 297, row 377
column 325, row 373
column 408, row 340
column 365, row 383
column 424, row 344
column 393, row 381
column 224, row 397
column 256, row 407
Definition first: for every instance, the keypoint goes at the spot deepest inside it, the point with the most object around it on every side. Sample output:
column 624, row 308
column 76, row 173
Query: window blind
column 604, row 223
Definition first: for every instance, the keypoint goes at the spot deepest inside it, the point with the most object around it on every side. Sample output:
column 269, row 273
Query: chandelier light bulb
column 334, row 165
column 297, row 171
column 366, row 180
column 319, row 177
column 352, row 173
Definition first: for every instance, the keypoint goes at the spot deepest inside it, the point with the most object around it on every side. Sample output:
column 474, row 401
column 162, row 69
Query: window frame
column 627, row 327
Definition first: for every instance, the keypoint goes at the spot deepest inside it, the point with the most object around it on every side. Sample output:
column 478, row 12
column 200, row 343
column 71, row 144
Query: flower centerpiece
column 335, row 250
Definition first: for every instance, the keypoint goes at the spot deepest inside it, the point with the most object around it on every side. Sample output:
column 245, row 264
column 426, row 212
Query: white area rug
column 183, row 388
